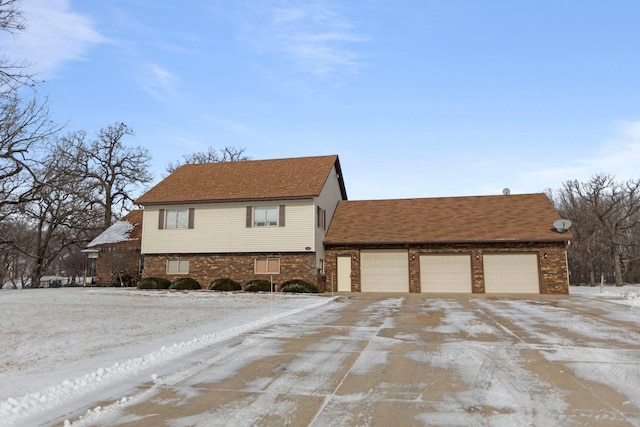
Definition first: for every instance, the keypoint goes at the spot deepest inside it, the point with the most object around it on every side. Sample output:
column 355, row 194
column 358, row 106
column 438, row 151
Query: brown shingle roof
column 247, row 180
column 521, row 218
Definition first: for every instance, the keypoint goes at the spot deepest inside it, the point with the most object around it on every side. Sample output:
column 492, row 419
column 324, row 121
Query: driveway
column 411, row 360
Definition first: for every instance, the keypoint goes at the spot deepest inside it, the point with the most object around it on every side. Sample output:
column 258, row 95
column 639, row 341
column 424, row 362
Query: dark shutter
column 318, row 211
column 281, row 219
column 191, row 217
column 161, row 219
column 249, row 216
column 324, row 219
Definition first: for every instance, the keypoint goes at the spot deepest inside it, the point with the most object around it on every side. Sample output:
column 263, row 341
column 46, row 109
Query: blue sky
column 418, row 98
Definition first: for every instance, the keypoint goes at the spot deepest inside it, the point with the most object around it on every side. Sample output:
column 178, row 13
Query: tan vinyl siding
column 222, row 227
column 327, row 200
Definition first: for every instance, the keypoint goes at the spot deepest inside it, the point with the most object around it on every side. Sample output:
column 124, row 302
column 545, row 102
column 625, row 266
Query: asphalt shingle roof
column 505, row 218
column 246, row 180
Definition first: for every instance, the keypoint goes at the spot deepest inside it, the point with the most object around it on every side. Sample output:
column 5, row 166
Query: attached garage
column 445, row 273
column 511, row 273
column 384, row 270
column 469, row 244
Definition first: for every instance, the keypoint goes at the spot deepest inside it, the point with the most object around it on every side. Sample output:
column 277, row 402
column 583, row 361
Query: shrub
column 258, row 285
column 154, row 283
column 225, row 284
column 185, row 284
column 299, row 286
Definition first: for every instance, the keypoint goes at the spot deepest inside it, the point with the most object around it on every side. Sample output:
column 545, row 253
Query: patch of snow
column 56, row 334
column 118, row 232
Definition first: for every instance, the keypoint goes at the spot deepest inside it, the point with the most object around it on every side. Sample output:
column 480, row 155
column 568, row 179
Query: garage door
column 445, row 273
column 513, row 273
column 384, row 270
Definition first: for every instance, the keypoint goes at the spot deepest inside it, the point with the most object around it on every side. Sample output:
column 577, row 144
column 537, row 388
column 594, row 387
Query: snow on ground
column 627, row 295
column 59, row 344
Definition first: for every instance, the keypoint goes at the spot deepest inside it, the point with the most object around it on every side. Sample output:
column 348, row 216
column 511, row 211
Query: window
column 177, row 266
column 267, row 266
column 265, row 216
column 321, row 218
column 176, row 218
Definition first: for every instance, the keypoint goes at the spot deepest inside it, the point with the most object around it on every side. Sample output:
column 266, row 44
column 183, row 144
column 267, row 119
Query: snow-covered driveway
column 360, row 360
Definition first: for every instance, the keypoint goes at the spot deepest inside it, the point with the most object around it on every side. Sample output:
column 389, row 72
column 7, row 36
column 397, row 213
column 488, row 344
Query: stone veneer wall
column 206, row 268
column 552, row 267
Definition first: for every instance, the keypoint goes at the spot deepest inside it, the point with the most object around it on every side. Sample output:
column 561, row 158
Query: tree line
column 606, row 229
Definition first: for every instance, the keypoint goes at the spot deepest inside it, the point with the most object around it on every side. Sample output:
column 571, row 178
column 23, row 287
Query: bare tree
column 60, row 214
column 227, row 154
column 112, row 169
column 606, row 214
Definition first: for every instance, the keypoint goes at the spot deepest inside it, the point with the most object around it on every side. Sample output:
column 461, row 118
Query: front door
column 344, row 274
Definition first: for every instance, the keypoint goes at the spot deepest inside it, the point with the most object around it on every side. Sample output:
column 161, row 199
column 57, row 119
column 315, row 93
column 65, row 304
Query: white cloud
column 619, row 157
column 315, row 37
column 158, row 81
column 55, row 34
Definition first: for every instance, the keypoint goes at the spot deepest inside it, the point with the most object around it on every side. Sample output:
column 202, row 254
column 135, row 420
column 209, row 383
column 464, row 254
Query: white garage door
column 384, row 270
column 445, row 273
column 513, row 273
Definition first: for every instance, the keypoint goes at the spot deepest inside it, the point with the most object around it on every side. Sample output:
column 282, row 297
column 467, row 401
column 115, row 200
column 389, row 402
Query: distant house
column 479, row 244
column 244, row 220
column 115, row 254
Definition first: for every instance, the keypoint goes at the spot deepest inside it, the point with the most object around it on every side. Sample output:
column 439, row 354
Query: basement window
column 177, row 266
column 267, row 266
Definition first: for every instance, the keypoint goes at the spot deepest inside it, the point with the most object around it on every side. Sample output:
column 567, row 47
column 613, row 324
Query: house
column 115, row 253
column 244, row 220
column 480, row 244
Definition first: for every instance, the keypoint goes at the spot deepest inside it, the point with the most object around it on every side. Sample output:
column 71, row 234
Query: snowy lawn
column 61, row 343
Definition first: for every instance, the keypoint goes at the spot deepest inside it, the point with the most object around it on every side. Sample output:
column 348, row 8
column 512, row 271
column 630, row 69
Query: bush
column 299, row 286
column 154, row 283
column 225, row 284
column 258, row 285
column 185, row 284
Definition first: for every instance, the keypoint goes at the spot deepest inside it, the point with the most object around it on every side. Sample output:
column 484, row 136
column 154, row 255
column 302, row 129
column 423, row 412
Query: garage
column 445, row 273
column 511, row 273
column 384, row 270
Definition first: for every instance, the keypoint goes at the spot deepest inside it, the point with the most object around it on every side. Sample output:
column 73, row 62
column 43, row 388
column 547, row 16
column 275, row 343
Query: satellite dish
column 562, row 225
column 506, row 191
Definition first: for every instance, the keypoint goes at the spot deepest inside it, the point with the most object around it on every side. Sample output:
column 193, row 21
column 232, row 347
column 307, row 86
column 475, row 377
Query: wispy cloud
column 618, row 156
column 158, row 82
column 313, row 36
column 55, row 34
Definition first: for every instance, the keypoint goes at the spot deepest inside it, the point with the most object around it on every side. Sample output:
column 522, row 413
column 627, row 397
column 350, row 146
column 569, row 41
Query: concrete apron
column 389, row 359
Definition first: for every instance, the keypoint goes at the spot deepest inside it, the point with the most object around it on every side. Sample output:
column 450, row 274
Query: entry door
column 344, row 274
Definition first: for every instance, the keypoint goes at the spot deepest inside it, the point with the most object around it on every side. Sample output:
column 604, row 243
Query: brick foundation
column 206, row 268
